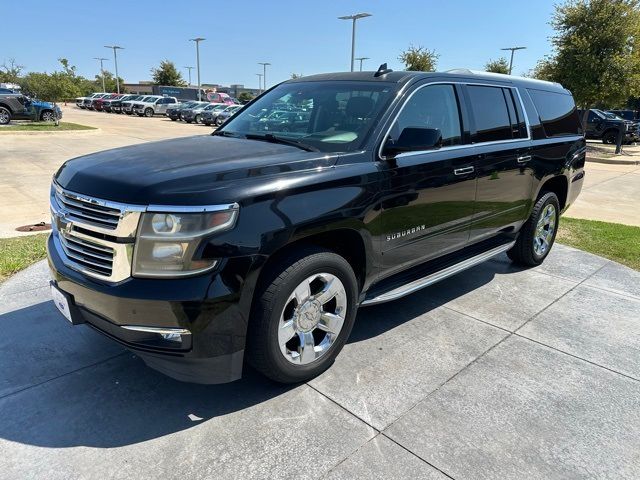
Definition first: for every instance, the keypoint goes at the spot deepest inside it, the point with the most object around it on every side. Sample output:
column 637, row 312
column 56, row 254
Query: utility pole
column 189, row 68
column 361, row 60
column 513, row 49
column 264, row 74
column 259, row 82
column 100, row 59
column 353, row 18
column 198, row 40
column 115, row 61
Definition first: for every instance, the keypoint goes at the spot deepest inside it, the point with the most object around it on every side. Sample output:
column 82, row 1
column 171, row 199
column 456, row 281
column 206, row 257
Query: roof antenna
column 382, row 70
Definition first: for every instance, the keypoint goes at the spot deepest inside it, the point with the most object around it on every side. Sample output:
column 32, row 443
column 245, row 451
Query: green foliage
column 500, row 65
column 596, row 51
column 296, row 75
column 167, row 74
column 20, row 252
column 10, row 72
column 245, row 97
column 419, row 59
column 109, row 83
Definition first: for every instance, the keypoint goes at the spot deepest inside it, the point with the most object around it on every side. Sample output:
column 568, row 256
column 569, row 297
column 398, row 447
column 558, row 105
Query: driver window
column 433, row 106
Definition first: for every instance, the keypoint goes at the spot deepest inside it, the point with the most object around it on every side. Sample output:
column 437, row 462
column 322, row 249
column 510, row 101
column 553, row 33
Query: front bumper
column 207, row 306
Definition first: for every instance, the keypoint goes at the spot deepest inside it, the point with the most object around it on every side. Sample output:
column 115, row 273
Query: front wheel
column 5, row 116
column 537, row 235
column 610, row 138
column 198, row 119
column 148, row 112
column 303, row 315
column 47, row 116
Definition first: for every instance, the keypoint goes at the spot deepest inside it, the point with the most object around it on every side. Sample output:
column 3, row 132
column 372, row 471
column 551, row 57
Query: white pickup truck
column 153, row 105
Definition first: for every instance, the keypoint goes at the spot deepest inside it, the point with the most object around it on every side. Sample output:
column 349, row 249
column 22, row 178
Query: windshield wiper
column 223, row 133
column 270, row 137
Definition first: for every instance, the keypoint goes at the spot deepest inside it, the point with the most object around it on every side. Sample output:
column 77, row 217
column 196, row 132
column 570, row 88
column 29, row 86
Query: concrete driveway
column 494, row 373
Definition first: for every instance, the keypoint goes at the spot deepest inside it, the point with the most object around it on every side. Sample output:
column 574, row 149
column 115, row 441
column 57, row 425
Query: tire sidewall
column 328, row 263
column 8, row 113
column 548, row 198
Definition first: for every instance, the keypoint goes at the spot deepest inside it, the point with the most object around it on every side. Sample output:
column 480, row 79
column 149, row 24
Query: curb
column 613, row 161
column 61, row 132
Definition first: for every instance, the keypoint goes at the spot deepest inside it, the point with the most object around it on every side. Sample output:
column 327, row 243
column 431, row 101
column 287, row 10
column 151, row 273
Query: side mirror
column 413, row 139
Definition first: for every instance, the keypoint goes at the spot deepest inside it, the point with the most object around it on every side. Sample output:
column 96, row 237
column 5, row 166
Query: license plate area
column 64, row 303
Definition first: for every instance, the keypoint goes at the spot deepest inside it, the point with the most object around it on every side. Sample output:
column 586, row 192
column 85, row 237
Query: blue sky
column 295, row 36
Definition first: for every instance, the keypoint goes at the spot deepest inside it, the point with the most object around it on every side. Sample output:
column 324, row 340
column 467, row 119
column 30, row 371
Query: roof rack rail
column 468, row 71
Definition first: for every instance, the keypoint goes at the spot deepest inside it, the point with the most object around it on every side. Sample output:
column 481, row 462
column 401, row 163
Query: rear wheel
column 5, row 116
column 537, row 235
column 303, row 316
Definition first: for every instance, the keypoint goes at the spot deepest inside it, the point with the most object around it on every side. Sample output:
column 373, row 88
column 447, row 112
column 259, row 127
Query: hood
column 187, row 171
column 41, row 104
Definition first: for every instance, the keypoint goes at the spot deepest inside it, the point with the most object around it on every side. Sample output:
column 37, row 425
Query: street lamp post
column 115, row 62
column 189, row 68
column 264, row 74
column 353, row 18
column 198, row 40
column 361, row 60
column 100, row 59
column 513, row 49
column 259, row 82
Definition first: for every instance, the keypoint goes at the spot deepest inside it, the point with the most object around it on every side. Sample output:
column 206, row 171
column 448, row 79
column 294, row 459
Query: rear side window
column 557, row 112
column 490, row 113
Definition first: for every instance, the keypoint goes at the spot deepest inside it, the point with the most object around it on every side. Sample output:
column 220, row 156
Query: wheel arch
column 4, row 105
column 558, row 185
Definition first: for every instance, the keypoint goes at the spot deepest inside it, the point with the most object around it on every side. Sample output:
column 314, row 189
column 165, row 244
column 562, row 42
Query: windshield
column 148, row 99
column 330, row 116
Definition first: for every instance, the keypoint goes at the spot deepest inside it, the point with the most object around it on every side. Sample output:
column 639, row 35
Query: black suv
column 605, row 126
column 262, row 241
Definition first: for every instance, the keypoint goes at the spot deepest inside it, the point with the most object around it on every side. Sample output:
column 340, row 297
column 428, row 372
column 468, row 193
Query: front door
column 429, row 200
column 503, row 148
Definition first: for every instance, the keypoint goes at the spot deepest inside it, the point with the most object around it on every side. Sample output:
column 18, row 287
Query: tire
column 173, row 119
column 610, row 138
column 219, row 122
column 189, row 121
column 5, row 116
column 148, row 112
column 530, row 250
column 47, row 116
column 311, row 270
column 208, row 124
column 198, row 119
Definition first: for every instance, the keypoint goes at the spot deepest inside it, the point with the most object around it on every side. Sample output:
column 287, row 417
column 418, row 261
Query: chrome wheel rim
column 4, row 116
column 312, row 318
column 545, row 228
column 47, row 117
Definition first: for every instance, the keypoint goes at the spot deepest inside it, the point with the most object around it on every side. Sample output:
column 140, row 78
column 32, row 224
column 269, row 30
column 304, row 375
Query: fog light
column 172, row 337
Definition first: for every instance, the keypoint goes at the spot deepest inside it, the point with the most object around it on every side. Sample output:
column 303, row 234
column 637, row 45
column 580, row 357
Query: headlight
column 167, row 242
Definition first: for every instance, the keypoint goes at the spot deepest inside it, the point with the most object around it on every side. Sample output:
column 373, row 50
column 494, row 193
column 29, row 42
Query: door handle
column 463, row 171
column 524, row 158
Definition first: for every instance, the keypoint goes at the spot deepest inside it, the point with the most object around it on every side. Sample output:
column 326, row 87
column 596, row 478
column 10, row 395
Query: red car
column 97, row 104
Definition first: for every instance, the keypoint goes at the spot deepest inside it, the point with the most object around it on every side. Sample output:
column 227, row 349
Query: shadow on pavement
column 120, row 401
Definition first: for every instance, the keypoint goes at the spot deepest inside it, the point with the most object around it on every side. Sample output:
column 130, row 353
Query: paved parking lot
column 494, row 373
column 27, row 162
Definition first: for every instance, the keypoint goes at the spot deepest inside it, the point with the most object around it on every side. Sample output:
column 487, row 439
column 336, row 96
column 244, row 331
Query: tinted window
column 518, row 125
column 557, row 112
column 490, row 113
column 434, row 106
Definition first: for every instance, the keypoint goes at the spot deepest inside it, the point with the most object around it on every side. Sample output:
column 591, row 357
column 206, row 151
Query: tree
column 10, row 72
column 109, row 82
column 245, row 97
column 167, row 74
column 419, row 59
column 295, row 76
column 596, row 51
column 497, row 66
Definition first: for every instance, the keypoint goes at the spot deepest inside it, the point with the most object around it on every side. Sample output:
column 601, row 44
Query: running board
column 416, row 285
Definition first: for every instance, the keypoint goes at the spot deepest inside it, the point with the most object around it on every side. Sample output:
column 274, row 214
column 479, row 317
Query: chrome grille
column 87, row 211
column 91, row 256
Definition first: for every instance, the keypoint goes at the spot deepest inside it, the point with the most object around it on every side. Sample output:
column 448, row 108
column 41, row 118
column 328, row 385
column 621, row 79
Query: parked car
column 84, row 102
column 198, row 253
column 16, row 106
column 285, row 120
column 107, row 102
column 153, row 105
column 98, row 103
column 631, row 115
column 91, row 104
column 209, row 115
column 195, row 113
column 175, row 112
column 605, row 126
column 225, row 114
column 127, row 106
column 116, row 104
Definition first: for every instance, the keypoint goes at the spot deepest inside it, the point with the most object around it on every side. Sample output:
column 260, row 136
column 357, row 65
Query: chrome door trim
column 463, row 171
column 436, row 276
column 524, row 158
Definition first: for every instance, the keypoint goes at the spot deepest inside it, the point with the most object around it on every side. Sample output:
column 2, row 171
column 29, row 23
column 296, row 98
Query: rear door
column 503, row 148
column 429, row 202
